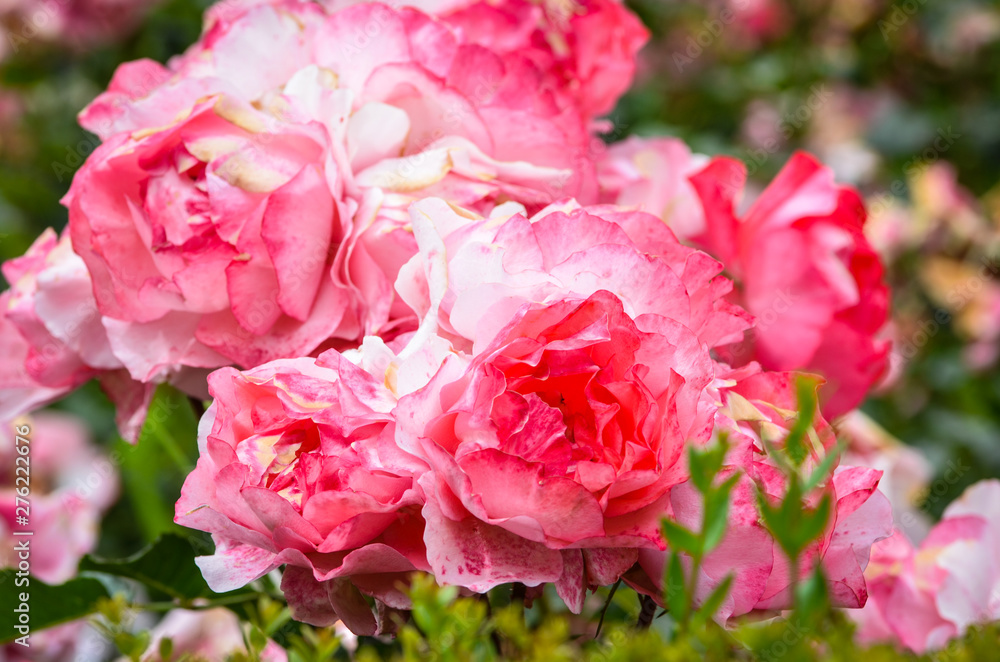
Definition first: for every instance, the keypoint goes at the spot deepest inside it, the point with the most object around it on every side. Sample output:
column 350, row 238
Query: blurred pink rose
column 210, row 634
column 583, row 369
column 72, row 483
column 247, row 208
column 57, row 337
column 80, row 24
column 52, row 305
column 906, row 472
column 75, row 641
column 19, row 390
column 298, row 467
column 761, row 406
column 651, row 175
column 804, row 269
column 924, row 597
column 761, row 19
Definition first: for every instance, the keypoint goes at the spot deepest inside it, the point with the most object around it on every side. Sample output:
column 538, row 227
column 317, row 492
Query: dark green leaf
column 795, row 443
column 167, row 567
column 47, row 605
column 814, row 523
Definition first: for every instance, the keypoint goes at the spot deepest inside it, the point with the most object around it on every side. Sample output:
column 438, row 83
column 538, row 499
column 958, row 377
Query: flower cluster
column 446, row 329
column 532, row 429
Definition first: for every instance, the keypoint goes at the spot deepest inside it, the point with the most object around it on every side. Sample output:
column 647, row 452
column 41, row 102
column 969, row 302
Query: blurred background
column 901, row 99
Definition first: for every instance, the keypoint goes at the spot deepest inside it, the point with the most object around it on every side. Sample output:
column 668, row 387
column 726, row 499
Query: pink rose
column 298, row 467
column 924, row 597
column 582, row 371
column 19, row 390
column 806, row 272
column 57, row 337
column 247, row 208
column 52, row 306
column 907, row 473
column 762, row 406
column 587, row 48
column 472, row 275
column 651, row 175
column 798, row 255
column 73, row 484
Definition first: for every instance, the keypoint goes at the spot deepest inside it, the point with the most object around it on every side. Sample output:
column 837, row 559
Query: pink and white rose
column 925, row 596
column 247, row 208
column 581, row 371
column 57, row 338
column 298, row 466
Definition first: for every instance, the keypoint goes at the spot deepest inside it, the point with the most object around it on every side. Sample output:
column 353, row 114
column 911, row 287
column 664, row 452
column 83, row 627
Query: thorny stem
column 604, row 611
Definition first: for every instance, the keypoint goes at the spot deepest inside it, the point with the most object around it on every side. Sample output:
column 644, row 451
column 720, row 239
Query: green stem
column 210, row 604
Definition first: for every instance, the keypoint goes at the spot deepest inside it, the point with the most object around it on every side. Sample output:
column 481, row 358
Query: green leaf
column 811, row 596
column 678, row 600
column 166, row 648
column 167, row 567
column 814, row 523
column 825, row 467
column 171, row 424
column 717, row 514
column 713, row 602
column 680, row 538
column 154, row 469
column 795, row 443
column 705, row 464
column 47, row 605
